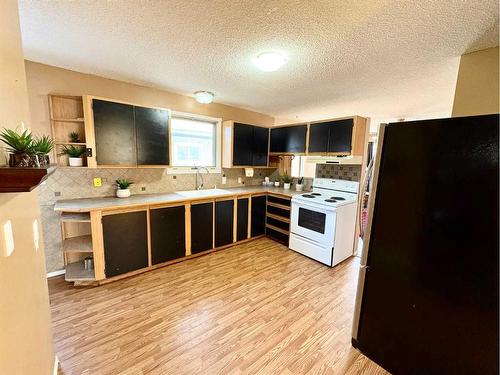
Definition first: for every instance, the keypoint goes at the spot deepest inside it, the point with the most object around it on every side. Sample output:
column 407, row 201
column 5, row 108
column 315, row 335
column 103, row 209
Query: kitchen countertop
column 103, row 203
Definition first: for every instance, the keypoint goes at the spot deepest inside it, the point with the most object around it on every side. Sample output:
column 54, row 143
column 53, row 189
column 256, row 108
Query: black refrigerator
column 427, row 300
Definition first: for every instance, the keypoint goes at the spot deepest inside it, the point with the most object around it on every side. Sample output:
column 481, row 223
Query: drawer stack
column 278, row 218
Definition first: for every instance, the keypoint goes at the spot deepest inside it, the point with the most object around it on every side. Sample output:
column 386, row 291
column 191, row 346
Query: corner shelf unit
column 77, row 245
column 66, row 116
column 278, row 218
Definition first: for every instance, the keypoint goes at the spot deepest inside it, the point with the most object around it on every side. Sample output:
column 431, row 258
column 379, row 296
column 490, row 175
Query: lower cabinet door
column 242, row 223
column 258, row 226
column 201, row 227
column 125, row 242
column 168, row 233
column 224, row 222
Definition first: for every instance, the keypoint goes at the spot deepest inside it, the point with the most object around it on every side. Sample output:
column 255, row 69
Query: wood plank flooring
column 255, row 308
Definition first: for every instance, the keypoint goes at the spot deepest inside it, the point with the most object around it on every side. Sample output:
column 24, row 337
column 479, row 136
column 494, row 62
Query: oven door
column 314, row 223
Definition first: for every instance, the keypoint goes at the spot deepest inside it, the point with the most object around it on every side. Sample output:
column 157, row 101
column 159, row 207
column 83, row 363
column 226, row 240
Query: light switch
column 8, row 238
column 97, row 182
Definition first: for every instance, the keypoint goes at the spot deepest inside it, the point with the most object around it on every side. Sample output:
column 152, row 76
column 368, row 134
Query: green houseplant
column 20, row 148
column 74, row 155
column 74, row 137
column 41, row 147
column 123, row 190
column 287, row 180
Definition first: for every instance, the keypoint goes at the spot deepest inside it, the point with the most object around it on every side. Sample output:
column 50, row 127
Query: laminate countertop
column 105, row 203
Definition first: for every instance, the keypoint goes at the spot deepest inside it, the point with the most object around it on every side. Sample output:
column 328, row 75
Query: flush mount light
column 204, row 97
column 270, row 61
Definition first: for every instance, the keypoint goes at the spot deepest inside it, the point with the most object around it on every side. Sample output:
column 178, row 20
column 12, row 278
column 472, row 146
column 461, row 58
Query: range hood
column 356, row 160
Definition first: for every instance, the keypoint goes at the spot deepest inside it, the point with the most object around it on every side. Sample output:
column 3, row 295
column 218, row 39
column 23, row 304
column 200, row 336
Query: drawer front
column 282, row 201
column 278, row 223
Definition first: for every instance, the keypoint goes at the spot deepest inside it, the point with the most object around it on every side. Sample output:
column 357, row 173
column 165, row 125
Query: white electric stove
column 323, row 221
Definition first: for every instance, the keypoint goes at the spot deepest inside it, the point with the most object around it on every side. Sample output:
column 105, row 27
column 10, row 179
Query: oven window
column 312, row 220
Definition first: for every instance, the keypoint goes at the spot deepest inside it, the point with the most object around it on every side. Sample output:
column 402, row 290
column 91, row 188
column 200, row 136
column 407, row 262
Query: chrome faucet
column 200, row 186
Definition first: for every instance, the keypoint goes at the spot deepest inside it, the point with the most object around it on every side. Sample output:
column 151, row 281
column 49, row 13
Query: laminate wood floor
column 255, row 308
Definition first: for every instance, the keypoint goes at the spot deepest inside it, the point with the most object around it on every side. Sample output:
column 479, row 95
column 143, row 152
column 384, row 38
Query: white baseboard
column 56, row 273
column 56, row 365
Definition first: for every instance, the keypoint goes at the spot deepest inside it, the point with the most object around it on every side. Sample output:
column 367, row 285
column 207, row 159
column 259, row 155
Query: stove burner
column 317, row 194
column 338, row 198
column 330, row 200
column 308, row 196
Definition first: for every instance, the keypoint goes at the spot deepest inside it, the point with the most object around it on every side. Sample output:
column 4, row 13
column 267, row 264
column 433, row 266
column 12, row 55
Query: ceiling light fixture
column 204, row 97
column 270, row 61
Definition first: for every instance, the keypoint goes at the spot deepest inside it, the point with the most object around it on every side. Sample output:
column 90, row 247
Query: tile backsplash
column 73, row 183
column 339, row 171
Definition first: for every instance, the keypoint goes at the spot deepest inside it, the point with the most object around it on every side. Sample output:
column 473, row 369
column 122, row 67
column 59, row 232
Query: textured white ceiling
column 377, row 58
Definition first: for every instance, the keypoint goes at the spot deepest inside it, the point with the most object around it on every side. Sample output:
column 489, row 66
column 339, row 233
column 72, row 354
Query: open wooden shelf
column 68, row 119
column 277, row 229
column 76, row 272
column 277, row 217
column 75, row 217
column 80, row 244
column 22, row 179
column 70, row 143
column 277, row 205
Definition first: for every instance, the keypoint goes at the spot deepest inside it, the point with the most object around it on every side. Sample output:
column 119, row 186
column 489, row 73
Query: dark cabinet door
column 168, row 234
column 201, row 227
column 290, row 139
column 224, row 222
column 114, row 133
column 318, row 137
column 125, row 242
column 152, row 136
column 260, row 146
column 242, row 222
column 242, row 144
column 340, row 138
column 258, row 215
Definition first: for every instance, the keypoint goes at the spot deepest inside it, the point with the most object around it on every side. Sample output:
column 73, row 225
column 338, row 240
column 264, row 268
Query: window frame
column 173, row 170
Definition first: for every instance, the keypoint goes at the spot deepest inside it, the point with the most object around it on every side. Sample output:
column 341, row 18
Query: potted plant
column 299, row 186
column 74, row 155
column 123, row 190
column 287, row 180
column 277, row 182
column 74, row 137
column 41, row 147
column 20, row 148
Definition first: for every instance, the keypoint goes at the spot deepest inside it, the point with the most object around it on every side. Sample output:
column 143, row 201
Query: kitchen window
column 195, row 142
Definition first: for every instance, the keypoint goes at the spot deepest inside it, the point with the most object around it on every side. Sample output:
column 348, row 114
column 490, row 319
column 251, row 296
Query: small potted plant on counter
column 20, row 148
column 299, row 186
column 123, row 190
column 287, row 180
column 74, row 155
column 41, row 147
column 277, row 182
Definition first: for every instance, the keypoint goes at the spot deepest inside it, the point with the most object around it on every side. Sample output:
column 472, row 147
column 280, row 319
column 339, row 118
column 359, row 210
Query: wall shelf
column 20, row 179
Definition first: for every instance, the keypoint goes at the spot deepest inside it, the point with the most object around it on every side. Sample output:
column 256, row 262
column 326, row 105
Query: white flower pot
column 299, row 187
column 277, row 183
column 123, row 193
column 286, row 186
column 75, row 162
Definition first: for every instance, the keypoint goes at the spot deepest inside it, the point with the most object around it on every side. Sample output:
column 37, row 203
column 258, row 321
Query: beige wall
column 45, row 79
column 477, row 84
column 25, row 329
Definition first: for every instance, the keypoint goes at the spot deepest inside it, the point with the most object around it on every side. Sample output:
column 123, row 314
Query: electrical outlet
column 143, row 188
column 240, row 180
column 97, row 182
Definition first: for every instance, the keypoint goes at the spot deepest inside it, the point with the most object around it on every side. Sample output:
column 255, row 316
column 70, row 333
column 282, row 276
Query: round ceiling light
column 270, row 61
column 204, row 97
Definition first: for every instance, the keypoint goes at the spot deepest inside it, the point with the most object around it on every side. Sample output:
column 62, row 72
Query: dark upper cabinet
column 260, row 146
column 130, row 135
column 242, row 220
column 242, row 144
column 201, row 227
column 224, row 222
column 125, row 242
column 168, row 234
column 114, row 133
column 331, row 136
column 289, row 139
column 151, row 126
column 250, row 146
column 258, row 225
column 340, row 139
